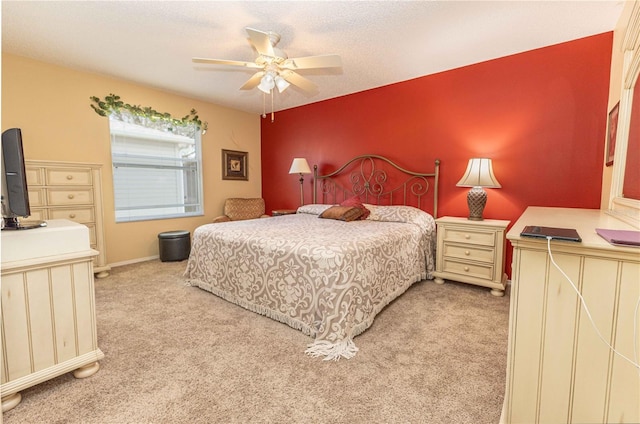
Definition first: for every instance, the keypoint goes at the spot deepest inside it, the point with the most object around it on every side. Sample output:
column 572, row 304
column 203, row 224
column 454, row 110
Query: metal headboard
column 370, row 183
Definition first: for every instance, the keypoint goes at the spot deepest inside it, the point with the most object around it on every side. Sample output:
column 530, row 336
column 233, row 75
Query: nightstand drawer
column 472, row 270
column 471, row 236
column 469, row 253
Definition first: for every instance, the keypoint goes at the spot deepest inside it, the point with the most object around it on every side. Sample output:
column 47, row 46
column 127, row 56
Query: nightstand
column 280, row 212
column 471, row 252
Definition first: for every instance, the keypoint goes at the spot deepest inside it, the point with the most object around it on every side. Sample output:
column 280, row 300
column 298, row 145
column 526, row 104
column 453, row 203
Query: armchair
column 238, row 209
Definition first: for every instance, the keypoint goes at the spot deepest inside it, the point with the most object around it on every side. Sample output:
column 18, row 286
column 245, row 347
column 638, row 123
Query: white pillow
column 313, row 209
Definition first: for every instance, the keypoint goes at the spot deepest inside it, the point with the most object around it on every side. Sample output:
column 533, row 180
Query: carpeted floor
column 178, row 354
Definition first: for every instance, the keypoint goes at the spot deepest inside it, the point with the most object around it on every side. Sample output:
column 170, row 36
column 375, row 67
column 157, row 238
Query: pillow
column 342, row 213
column 373, row 215
column 355, row 202
column 313, row 208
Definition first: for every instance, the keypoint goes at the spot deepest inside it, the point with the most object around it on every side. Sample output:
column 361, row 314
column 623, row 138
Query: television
column 15, row 195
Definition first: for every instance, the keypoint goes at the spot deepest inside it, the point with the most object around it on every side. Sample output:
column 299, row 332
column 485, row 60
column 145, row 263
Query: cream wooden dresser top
column 585, row 221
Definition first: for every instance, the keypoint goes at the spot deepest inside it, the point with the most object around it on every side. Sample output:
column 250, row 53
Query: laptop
column 620, row 237
column 566, row 234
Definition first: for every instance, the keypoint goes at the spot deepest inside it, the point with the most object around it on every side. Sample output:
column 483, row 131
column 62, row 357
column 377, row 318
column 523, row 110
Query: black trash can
column 174, row 245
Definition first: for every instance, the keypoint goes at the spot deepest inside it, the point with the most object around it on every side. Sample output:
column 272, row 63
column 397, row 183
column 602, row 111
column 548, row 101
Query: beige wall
column 52, row 107
column 615, row 91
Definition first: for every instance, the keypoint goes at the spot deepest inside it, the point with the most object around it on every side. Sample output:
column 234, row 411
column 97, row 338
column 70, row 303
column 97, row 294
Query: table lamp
column 300, row 166
column 479, row 174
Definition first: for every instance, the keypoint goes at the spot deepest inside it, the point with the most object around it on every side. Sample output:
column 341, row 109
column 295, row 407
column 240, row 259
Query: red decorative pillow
column 356, row 203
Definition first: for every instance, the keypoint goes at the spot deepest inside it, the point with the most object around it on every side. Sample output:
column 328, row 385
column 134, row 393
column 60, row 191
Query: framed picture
column 234, row 165
column 611, row 134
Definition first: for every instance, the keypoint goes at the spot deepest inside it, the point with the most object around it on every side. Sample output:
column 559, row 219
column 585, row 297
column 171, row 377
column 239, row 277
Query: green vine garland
column 112, row 103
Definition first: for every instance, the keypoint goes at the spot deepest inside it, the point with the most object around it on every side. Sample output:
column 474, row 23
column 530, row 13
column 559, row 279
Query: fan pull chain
column 264, row 107
column 272, row 117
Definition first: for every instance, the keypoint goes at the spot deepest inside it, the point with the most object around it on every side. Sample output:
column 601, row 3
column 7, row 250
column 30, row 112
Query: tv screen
column 15, row 196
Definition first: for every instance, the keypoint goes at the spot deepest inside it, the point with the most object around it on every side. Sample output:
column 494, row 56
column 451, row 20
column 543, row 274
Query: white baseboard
column 134, row 261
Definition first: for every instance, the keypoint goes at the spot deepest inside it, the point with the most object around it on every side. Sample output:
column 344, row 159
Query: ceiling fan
column 275, row 69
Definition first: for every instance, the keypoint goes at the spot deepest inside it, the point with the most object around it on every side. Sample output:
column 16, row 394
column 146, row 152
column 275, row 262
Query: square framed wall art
column 234, row 165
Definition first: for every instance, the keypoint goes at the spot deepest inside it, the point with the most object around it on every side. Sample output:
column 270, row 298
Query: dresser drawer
column 36, row 197
column 69, row 176
column 470, row 236
column 469, row 253
column 62, row 197
column 484, row 272
column 81, row 215
column 35, row 176
column 37, row 214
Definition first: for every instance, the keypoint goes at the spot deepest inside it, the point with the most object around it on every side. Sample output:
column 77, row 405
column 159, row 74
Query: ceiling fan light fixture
column 281, row 83
column 274, row 69
column 267, row 83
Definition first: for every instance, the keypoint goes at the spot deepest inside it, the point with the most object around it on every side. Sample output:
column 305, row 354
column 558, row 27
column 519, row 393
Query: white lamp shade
column 266, row 83
column 479, row 173
column 281, row 83
column 299, row 166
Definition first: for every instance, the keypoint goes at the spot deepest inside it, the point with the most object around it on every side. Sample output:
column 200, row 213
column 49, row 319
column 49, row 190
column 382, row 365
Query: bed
column 329, row 277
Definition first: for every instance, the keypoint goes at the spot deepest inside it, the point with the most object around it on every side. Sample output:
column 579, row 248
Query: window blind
column 155, row 174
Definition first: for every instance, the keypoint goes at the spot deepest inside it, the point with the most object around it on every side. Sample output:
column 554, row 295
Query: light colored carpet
column 175, row 354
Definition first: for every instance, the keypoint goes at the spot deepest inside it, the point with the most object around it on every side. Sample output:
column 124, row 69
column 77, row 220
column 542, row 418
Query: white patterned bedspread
column 324, row 277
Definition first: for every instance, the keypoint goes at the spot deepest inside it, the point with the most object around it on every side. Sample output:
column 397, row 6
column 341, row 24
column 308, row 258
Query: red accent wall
column 540, row 115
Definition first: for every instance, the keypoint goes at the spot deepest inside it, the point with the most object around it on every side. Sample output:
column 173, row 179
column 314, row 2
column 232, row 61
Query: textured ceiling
column 380, row 42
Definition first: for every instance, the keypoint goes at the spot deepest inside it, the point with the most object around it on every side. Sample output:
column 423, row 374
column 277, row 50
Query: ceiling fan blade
column 260, row 40
column 299, row 81
column 226, row 62
column 313, row 62
column 253, row 81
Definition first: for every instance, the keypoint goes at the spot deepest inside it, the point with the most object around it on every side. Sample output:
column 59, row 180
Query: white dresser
column 73, row 191
column 559, row 371
column 48, row 307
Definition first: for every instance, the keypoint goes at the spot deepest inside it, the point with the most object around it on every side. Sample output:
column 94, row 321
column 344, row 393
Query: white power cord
column 586, row 309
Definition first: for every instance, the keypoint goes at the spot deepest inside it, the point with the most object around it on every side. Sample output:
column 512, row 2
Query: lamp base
column 476, row 200
column 301, row 190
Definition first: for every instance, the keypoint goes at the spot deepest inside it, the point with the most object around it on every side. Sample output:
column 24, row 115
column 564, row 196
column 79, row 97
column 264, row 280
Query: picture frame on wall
column 612, row 130
column 234, row 165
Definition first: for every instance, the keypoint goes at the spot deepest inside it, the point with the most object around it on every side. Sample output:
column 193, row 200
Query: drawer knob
column 467, row 253
column 71, row 196
column 69, row 177
column 467, row 236
column 72, row 215
column 466, row 269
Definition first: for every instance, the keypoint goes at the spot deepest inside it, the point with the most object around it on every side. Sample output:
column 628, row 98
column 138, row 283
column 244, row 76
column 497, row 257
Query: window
column 156, row 170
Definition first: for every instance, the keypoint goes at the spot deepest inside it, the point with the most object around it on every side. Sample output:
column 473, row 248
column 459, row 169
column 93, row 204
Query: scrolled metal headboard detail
column 369, row 181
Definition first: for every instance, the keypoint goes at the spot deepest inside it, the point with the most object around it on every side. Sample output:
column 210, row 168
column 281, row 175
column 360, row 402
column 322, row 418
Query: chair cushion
column 238, row 209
